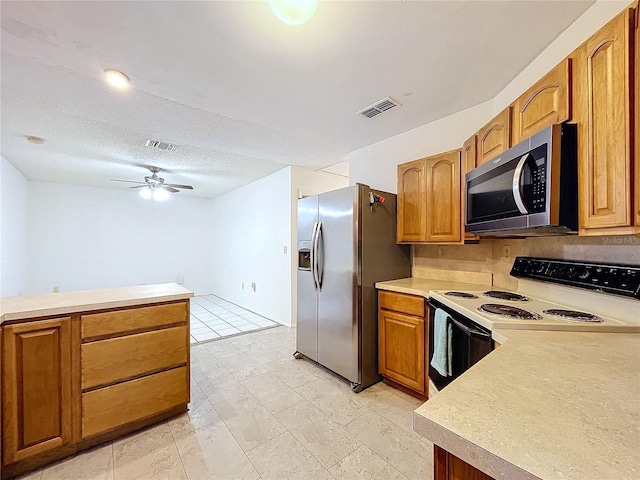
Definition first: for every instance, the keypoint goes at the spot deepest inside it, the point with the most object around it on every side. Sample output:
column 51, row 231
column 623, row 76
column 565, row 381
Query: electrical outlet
column 180, row 279
column 243, row 285
column 56, row 289
column 440, row 251
column 506, row 251
column 253, row 286
column 285, row 249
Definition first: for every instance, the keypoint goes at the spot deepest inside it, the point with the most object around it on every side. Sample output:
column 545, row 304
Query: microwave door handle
column 515, row 184
column 470, row 332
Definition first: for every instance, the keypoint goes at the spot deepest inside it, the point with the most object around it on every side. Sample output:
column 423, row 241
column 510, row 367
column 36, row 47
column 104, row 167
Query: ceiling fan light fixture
column 160, row 194
column 117, row 79
column 293, row 12
column 145, row 193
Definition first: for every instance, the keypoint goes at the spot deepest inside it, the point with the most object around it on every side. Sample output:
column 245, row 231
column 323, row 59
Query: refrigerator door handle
column 314, row 256
column 319, row 257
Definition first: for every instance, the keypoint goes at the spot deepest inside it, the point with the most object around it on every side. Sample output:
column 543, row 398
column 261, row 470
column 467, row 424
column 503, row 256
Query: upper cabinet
column 468, row 161
column 495, row 137
column 429, row 200
column 443, row 197
column 603, row 92
column 544, row 104
column 412, row 202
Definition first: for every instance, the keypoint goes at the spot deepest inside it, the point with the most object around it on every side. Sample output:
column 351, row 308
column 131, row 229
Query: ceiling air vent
column 379, row 107
column 162, row 145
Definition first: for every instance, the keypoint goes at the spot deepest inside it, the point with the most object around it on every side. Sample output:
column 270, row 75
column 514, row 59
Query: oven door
column 469, row 344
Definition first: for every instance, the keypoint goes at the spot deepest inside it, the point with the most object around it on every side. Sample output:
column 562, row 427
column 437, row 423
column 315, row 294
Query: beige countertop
column 421, row 286
column 33, row 306
column 545, row 405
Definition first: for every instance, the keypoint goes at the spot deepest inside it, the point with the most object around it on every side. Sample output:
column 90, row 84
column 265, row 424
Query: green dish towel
column 442, row 333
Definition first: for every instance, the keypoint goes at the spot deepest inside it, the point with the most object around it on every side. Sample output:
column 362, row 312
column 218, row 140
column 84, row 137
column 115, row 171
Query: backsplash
column 488, row 255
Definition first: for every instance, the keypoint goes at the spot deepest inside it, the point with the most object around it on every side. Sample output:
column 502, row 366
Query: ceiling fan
column 154, row 186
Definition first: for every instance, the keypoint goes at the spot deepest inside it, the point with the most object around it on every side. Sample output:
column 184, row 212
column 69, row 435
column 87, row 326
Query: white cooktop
column 614, row 322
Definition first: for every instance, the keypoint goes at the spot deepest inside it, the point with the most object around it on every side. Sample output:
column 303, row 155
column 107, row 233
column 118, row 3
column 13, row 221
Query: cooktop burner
column 572, row 315
column 508, row 311
column 460, row 295
column 501, row 295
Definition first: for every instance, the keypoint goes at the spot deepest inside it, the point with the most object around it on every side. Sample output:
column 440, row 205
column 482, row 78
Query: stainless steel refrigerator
column 346, row 243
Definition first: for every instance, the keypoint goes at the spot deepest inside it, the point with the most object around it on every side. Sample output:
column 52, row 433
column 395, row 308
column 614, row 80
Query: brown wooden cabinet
column 495, row 137
column 74, row 382
column 468, row 161
column 412, row 202
column 403, row 343
column 443, row 197
column 447, row 466
column 37, row 385
column 430, row 200
column 547, row 102
column 603, row 92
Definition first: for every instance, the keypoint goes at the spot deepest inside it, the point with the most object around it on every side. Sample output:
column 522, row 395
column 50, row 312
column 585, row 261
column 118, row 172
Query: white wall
column 253, row 225
column 375, row 165
column 85, row 238
column 13, row 230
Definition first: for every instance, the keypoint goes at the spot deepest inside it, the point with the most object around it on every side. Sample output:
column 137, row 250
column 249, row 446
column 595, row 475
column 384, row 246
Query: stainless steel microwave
column 529, row 190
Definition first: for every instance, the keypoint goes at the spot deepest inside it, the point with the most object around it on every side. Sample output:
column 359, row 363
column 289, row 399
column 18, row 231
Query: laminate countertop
column 35, row 306
column 421, row 286
column 545, row 405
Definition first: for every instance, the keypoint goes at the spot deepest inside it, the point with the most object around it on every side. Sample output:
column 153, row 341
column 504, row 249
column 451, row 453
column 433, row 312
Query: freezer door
column 337, row 322
column 307, row 295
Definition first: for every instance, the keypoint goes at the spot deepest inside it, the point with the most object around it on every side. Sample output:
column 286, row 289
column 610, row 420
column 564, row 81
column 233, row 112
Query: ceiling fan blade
column 126, row 181
column 139, row 186
column 175, row 185
column 169, row 189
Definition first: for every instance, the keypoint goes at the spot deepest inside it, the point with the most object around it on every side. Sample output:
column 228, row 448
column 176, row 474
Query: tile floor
column 258, row 413
column 212, row 318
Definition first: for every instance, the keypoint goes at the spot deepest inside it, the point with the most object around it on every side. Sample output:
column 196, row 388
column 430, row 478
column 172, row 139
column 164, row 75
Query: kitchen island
column 81, row 368
column 545, row 405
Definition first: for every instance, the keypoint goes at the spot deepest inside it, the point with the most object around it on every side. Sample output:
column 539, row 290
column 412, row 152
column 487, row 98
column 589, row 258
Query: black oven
column 470, row 342
column 531, row 189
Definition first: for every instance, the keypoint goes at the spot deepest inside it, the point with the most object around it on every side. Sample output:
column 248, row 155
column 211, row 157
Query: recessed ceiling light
column 293, row 12
column 117, row 79
column 34, row 139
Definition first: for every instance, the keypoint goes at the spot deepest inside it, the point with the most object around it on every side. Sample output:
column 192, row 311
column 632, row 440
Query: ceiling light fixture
column 160, row 194
column 117, row 79
column 35, row 140
column 146, row 193
column 293, row 12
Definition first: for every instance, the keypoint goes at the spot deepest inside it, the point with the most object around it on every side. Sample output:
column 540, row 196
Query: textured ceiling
column 243, row 93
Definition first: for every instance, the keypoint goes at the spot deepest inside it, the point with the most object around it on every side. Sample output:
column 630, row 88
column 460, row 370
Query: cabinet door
column 412, row 202
column 467, row 163
column 443, row 197
column 602, row 105
column 36, row 383
column 450, row 467
column 544, row 104
column 402, row 349
column 636, row 160
column 495, row 137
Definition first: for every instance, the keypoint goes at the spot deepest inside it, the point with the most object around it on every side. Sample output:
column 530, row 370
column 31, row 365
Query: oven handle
column 515, row 184
column 469, row 331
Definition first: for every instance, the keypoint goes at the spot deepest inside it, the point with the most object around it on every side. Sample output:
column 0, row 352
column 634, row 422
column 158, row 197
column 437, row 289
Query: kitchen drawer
column 111, row 407
column 401, row 302
column 132, row 319
column 109, row 361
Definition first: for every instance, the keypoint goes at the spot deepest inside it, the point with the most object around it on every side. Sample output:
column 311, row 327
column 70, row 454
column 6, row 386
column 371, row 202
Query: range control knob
column 585, row 274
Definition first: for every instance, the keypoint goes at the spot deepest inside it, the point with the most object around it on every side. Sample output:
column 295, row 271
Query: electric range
column 555, row 295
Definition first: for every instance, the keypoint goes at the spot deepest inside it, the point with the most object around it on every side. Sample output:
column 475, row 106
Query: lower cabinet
column 36, row 383
column 403, row 343
column 73, row 382
column 449, row 467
